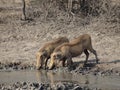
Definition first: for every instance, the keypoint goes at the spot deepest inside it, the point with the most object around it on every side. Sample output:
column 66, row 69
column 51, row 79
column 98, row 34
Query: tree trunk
column 23, row 10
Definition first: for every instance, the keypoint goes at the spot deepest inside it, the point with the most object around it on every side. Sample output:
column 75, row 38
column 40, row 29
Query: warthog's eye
column 54, row 56
column 43, row 56
column 44, row 53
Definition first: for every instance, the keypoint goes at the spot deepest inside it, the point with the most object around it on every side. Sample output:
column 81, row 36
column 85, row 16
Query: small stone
column 49, row 88
column 40, row 87
column 24, row 87
column 15, row 67
column 24, row 83
column 77, row 88
column 16, row 85
column 36, row 85
column 61, row 86
column 3, row 88
column 86, row 88
column 86, row 82
column 17, row 89
column 99, row 73
column 32, row 88
column 95, row 73
column 95, row 89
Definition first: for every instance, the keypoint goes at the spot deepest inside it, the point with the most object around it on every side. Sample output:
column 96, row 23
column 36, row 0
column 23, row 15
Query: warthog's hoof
column 38, row 68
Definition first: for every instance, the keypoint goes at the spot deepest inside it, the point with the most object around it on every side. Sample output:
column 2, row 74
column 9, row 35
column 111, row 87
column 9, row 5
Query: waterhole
column 105, row 82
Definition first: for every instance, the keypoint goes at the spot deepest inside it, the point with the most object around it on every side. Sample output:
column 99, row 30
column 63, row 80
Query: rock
column 24, row 83
column 87, row 82
column 32, row 88
column 86, row 88
column 36, row 85
column 70, row 84
column 17, row 84
column 48, row 88
column 24, row 87
column 1, row 67
column 40, row 87
column 95, row 73
column 77, row 88
column 100, row 73
column 15, row 67
column 3, row 88
column 17, row 89
column 96, row 89
column 61, row 86
column 9, row 87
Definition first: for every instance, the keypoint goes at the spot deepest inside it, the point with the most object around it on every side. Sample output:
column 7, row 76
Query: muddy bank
column 16, row 66
column 42, row 86
column 60, row 80
column 78, row 68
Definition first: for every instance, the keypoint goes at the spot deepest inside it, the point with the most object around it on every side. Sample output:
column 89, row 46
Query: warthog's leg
column 51, row 64
column 95, row 53
column 38, row 61
column 69, row 61
column 46, row 63
column 61, row 63
column 87, row 55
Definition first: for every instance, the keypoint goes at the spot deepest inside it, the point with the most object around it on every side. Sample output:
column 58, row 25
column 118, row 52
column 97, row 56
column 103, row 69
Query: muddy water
column 106, row 82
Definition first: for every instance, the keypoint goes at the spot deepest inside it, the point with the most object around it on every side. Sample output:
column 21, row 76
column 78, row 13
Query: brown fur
column 44, row 53
column 72, row 49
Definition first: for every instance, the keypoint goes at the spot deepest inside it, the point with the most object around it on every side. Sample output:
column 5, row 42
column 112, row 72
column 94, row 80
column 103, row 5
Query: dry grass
column 51, row 11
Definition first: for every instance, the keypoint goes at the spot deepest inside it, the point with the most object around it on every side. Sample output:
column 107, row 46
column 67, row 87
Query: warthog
column 44, row 53
column 72, row 49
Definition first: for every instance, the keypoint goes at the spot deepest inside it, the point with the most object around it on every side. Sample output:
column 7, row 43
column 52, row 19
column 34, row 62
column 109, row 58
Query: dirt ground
column 20, row 40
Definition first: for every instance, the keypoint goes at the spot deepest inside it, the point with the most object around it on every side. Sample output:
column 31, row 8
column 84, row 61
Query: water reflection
column 83, row 80
column 42, row 76
column 52, row 77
